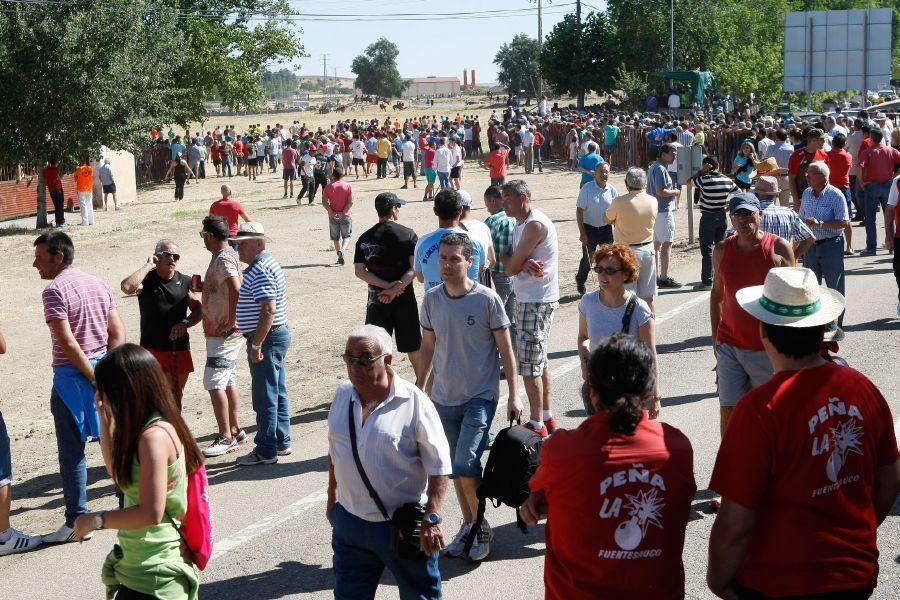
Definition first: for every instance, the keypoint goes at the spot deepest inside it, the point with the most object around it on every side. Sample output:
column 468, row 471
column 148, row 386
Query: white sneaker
column 63, row 535
column 458, row 545
column 19, row 542
column 482, row 545
column 221, row 445
column 241, row 436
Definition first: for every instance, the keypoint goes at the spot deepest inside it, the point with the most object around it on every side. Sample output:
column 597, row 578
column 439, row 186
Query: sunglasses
column 175, row 257
column 361, row 361
column 607, row 270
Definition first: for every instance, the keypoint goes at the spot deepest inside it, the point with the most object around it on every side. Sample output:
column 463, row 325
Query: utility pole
column 671, row 35
column 540, row 89
column 578, row 53
column 325, row 75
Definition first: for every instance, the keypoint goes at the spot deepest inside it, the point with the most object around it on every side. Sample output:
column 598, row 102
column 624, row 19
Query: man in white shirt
column 358, row 150
column 408, row 157
column 532, row 260
column 442, row 162
column 369, row 411
column 528, row 148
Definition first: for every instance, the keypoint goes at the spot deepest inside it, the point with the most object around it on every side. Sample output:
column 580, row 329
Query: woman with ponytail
column 617, row 490
column 148, row 450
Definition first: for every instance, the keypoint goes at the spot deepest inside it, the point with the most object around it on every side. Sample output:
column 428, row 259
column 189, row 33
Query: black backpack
column 513, row 460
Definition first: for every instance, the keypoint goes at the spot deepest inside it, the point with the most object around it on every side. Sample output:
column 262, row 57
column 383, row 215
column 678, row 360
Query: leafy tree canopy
column 517, row 63
column 86, row 74
column 575, row 59
column 376, row 70
column 283, row 80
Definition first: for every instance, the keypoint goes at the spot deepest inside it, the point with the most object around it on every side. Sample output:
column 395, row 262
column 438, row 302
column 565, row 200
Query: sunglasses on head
column 176, row 257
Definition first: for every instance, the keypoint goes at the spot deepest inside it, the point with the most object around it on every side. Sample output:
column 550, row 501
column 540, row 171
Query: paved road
column 273, row 540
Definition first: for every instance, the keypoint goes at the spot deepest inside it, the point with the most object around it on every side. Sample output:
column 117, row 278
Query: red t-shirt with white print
column 618, row 506
column 801, row 451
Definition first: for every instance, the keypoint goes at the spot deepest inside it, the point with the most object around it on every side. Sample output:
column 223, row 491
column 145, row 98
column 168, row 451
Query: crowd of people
column 808, row 463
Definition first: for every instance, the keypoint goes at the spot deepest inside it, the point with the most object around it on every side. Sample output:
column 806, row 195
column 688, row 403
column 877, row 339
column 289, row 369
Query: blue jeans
column 72, row 464
column 876, row 195
column 269, row 392
column 444, row 179
column 503, row 287
column 362, row 551
column 466, row 427
column 712, row 231
column 825, row 258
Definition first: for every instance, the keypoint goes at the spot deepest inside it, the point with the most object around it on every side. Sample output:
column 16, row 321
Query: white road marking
column 304, row 504
column 268, row 523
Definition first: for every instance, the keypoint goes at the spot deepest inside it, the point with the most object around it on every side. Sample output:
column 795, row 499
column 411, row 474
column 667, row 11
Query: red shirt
column 229, row 208
column 238, row 147
column 538, row 139
column 496, row 160
column 878, row 163
column 801, row 451
column 428, row 157
column 800, row 159
column 839, row 162
column 51, row 176
column 338, row 195
column 738, row 270
column 618, row 506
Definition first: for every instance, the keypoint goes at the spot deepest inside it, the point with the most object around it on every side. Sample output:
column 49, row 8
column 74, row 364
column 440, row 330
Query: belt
column 639, row 245
column 271, row 329
column 829, row 239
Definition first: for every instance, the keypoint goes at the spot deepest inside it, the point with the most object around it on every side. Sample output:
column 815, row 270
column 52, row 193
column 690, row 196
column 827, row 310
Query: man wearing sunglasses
column 164, row 298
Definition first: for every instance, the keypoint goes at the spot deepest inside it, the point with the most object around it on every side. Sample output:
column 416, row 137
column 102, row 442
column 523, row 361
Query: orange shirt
column 84, row 178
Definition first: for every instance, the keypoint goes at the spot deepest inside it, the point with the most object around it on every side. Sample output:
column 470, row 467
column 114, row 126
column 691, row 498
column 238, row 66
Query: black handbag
column 406, row 522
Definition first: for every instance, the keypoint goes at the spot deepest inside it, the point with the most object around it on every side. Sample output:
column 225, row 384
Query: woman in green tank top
column 148, row 450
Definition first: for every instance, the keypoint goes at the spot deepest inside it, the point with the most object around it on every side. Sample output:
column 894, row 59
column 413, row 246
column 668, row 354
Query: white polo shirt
column 401, row 445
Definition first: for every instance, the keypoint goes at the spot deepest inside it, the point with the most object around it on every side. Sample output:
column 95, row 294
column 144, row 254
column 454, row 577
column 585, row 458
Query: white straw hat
column 791, row 297
column 251, row 230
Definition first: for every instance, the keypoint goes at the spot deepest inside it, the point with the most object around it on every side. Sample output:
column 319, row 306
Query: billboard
column 836, row 50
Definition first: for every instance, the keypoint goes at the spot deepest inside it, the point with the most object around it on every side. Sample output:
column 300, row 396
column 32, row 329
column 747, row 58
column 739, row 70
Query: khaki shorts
column 664, row 227
column 221, row 361
column 645, row 286
column 533, row 321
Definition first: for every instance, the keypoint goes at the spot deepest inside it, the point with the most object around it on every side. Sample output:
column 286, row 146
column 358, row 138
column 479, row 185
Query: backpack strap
column 362, row 472
column 629, row 310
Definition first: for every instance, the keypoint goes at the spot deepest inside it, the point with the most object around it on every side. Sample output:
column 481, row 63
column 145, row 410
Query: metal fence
column 151, row 164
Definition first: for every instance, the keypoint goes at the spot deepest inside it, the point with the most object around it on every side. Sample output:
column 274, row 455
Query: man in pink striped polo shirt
column 84, row 324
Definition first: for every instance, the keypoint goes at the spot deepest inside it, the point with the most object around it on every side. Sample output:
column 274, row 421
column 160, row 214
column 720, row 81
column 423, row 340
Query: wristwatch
column 100, row 520
column 432, row 518
column 186, row 322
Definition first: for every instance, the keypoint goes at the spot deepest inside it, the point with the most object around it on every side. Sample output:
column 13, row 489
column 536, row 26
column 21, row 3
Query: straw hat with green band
column 792, row 297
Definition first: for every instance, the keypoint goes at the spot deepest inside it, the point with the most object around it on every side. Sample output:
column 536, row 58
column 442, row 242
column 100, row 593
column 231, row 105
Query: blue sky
column 435, row 45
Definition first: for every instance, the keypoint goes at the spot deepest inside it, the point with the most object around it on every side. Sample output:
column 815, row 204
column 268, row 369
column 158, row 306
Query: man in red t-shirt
column 337, row 199
column 496, row 162
column 839, row 164
column 229, row 208
column 55, row 188
column 877, row 164
column 808, row 467
column 800, row 159
column 289, row 166
column 538, row 144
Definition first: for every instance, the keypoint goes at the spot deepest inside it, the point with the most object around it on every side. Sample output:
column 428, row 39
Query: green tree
column 376, row 70
column 574, row 62
column 92, row 74
column 633, row 85
column 281, row 81
column 517, row 64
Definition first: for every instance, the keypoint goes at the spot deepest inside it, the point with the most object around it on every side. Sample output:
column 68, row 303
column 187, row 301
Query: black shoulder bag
column 406, row 523
column 629, row 310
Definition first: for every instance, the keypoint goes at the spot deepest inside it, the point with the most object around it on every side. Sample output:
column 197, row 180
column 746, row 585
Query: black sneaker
column 581, row 289
column 671, row 283
column 340, row 259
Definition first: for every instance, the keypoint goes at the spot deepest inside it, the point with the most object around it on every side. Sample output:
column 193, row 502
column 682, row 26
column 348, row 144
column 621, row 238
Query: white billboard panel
column 837, row 50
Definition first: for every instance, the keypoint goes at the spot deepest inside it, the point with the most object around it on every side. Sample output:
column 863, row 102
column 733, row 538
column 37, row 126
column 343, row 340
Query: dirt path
column 325, row 302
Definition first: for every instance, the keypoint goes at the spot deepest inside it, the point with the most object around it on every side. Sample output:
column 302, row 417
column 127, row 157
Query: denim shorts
column 5, row 456
column 340, row 230
column 466, row 427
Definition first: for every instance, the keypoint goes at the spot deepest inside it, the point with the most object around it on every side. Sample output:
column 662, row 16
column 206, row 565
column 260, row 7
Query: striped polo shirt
column 263, row 280
column 84, row 301
column 714, row 190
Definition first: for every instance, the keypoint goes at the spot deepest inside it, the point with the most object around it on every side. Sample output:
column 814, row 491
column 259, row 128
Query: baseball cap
column 744, row 200
column 465, row 199
column 386, row 199
column 815, row 133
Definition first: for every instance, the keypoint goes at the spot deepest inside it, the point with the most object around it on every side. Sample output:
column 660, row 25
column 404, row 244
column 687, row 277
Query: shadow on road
column 561, row 354
column 700, row 341
column 49, row 486
column 686, row 399
column 287, row 579
column 225, row 472
column 879, row 325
